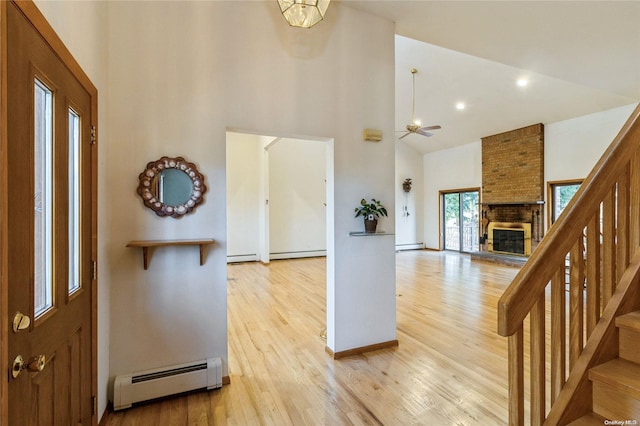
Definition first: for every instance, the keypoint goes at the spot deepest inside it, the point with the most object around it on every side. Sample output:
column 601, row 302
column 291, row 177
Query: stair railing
column 598, row 232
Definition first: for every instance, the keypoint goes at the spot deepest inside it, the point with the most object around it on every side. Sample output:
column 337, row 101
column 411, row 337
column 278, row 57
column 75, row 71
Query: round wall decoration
column 171, row 186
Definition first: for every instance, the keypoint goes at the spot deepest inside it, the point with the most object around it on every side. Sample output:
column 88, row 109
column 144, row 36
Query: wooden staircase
column 616, row 383
column 573, row 309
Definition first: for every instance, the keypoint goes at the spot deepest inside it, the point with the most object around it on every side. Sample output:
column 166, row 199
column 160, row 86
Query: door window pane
column 43, row 199
column 461, row 221
column 470, row 224
column 74, row 202
column 452, row 221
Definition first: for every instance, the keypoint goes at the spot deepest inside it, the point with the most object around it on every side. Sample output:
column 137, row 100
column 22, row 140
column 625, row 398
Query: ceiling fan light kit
column 372, row 135
column 413, row 127
column 303, row 13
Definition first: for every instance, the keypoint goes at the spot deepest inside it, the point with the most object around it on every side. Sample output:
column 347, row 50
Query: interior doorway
column 460, row 213
column 279, row 190
column 251, row 201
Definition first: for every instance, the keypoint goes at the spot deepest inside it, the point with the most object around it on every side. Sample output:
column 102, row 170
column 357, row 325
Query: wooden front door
column 50, row 228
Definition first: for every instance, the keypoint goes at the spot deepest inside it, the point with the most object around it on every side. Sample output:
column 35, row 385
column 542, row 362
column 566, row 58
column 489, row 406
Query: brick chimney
column 513, row 178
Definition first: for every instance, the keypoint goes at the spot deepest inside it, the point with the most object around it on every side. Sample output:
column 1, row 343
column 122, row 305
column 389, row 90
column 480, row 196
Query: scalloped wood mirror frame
column 166, row 193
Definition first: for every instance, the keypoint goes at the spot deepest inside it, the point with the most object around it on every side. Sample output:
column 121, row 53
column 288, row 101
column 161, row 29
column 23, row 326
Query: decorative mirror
column 171, row 186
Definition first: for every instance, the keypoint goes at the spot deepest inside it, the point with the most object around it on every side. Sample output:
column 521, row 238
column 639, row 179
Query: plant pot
column 370, row 225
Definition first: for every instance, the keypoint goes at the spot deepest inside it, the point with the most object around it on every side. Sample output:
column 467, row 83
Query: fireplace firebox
column 510, row 238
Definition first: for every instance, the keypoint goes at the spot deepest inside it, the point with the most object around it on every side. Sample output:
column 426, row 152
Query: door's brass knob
column 35, row 364
column 20, row 322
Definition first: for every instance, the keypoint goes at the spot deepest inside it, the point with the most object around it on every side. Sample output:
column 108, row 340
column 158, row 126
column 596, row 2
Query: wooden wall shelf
column 146, row 244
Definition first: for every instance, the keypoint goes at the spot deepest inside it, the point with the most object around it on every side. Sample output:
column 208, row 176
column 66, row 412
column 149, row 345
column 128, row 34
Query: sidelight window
column 74, row 201
column 43, row 198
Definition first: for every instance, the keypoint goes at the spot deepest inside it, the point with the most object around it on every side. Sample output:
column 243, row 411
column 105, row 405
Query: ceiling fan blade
column 424, row 132
column 436, row 127
column 405, row 135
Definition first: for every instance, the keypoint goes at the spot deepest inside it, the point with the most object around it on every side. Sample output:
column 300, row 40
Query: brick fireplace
column 512, row 190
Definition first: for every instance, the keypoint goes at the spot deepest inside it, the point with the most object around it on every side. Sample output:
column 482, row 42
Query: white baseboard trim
column 242, row 258
column 415, row 246
column 297, row 254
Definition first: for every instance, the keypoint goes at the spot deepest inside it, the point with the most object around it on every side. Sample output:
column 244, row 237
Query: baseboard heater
column 150, row 384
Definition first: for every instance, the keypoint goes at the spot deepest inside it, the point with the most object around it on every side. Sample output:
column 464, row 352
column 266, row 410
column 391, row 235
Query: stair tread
column 591, row 419
column 620, row 374
column 630, row 321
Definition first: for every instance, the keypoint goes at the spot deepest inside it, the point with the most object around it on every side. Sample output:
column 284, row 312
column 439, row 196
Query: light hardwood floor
column 449, row 369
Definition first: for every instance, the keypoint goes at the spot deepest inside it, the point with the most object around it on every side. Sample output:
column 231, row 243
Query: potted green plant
column 371, row 212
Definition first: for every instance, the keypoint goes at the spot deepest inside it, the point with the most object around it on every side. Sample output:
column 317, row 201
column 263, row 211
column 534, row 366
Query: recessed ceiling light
column 522, row 82
column 460, row 105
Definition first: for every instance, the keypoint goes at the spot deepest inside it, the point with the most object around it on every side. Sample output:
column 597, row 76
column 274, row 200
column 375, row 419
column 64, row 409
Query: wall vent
column 150, row 384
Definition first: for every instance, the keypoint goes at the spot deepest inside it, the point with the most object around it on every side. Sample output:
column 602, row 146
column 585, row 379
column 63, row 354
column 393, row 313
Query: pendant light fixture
column 303, row 13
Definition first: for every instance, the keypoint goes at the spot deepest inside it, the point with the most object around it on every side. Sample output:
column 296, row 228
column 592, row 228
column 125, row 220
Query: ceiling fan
column 414, row 127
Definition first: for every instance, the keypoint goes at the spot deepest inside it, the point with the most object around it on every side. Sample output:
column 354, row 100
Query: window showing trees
column 461, row 220
column 561, row 194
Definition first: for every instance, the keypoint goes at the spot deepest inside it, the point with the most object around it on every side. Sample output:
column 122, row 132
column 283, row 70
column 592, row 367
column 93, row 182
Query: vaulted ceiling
column 578, row 57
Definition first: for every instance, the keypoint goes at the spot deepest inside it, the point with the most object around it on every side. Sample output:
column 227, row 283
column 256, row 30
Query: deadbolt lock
column 20, row 322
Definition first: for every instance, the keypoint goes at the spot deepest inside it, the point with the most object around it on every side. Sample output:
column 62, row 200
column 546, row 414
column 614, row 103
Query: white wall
column 83, row 27
column 164, row 101
column 409, row 227
column 572, row 147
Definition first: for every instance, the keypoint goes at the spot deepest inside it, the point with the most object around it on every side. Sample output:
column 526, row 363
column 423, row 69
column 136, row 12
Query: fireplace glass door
column 461, row 221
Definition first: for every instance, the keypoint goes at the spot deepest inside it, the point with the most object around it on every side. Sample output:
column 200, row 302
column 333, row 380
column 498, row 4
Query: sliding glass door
column 461, row 220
